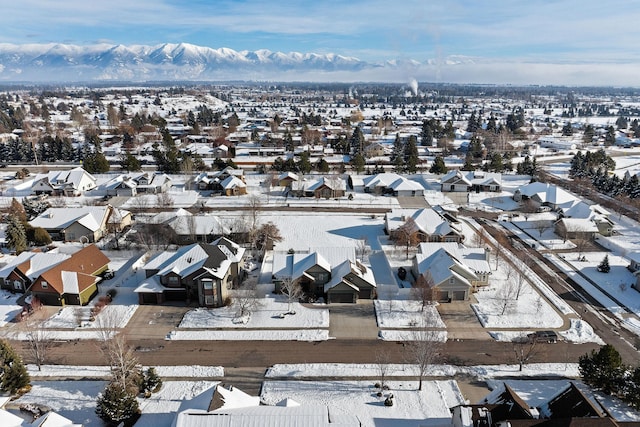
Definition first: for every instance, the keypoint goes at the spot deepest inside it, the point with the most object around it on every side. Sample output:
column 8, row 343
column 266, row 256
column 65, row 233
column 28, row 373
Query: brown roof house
column 200, row 272
column 73, row 281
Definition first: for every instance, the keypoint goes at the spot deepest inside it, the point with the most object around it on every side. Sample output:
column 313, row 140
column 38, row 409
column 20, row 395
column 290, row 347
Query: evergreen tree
column 438, row 167
column 16, row 209
column 13, row 374
column 468, row 163
column 358, row 163
column 96, row 162
column 151, row 382
column 304, row 165
column 16, row 234
column 602, row 369
column 357, row 141
column 589, row 133
column 411, row 154
column 567, row 129
column 130, row 163
column 322, row 165
column 604, row 266
column 631, row 392
column 116, row 405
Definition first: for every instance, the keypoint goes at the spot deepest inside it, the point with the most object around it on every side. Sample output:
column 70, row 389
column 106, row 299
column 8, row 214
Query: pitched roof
column 75, row 273
column 90, row 217
column 189, row 259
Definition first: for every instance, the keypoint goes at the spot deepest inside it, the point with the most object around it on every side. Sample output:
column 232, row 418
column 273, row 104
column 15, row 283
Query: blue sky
column 544, row 31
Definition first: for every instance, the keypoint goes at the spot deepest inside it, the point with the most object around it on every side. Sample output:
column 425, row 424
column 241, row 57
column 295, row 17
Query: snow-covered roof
column 53, row 419
column 441, row 265
column 150, row 285
column 286, row 265
column 265, row 416
column 60, row 218
column 339, row 272
column 474, row 258
column 404, row 184
column 547, row 193
column 231, row 182
column 197, row 224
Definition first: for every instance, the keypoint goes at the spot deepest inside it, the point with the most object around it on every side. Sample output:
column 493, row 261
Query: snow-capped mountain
column 183, row 61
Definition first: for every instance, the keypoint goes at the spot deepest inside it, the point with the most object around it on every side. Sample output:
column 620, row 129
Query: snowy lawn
column 9, row 307
column 511, row 302
column 348, row 370
column 411, row 407
column 254, row 335
column 266, row 316
column 492, row 202
column 616, row 283
column 540, row 227
column 404, row 335
column 399, row 314
column 70, row 371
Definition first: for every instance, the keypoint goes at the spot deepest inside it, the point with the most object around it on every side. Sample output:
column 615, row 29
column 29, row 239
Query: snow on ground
column 411, row 407
column 536, row 393
column 399, row 314
column 69, row 371
column 511, row 302
column 76, row 400
column 255, row 335
column 616, row 283
column 173, row 199
column 492, row 202
column 364, row 370
column 267, row 316
column 540, row 226
column 9, row 307
column 421, row 335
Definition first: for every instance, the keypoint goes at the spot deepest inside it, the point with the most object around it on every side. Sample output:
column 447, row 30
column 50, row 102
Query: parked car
column 543, row 336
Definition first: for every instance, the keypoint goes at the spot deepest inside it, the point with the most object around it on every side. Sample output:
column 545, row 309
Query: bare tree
column 382, row 363
column 424, row 290
column 423, row 348
column 245, row 299
column 255, row 209
column 292, row 289
column 164, row 200
column 541, row 226
column 267, row 235
column 38, row 339
column 479, row 238
column 524, row 349
column 361, row 247
column 406, row 235
column 125, row 368
column 106, row 324
column 506, row 296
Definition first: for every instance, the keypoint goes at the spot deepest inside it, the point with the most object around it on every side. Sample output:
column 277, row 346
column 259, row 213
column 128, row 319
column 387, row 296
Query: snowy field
column 579, row 332
column 411, row 407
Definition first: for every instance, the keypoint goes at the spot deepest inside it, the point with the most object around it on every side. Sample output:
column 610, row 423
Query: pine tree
column 13, row 374
column 602, row 369
column 604, row 266
column 116, row 405
column 152, row 382
column 16, row 234
column 438, row 166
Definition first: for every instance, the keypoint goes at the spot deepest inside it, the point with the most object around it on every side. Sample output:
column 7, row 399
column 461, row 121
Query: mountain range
column 183, row 61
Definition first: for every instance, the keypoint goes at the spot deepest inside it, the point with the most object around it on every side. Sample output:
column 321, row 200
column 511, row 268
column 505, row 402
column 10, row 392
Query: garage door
column 459, row 295
column 341, row 297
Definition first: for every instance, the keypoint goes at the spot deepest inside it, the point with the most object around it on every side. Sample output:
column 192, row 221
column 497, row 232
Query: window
column 452, row 280
column 208, row 300
column 173, row 280
column 44, row 284
column 17, row 284
column 207, row 284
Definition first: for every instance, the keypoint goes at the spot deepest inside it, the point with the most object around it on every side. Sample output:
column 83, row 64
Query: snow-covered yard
column 9, row 307
column 398, row 314
column 266, row 316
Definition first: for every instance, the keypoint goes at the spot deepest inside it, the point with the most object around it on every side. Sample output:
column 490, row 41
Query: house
column 427, row 224
column 594, row 213
column 286, row 178
column 74, row 281
column 233, row 186
column 544, row 194
column 189, row 228
column 74, row 182
column 403, row 187
column 463, row 181
column 455, row 181
column 87, row 223
column 570, row 406
column 18, row 274
column 379, row 184
column 152, row 183
column 375, row 149
column 199, row 272
column 576, row 228
column 121, row 186
column 451, row 270
column 226, row 406
column 330, row 273
column 349, row 282
column 634, row 261
column 325, row 188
